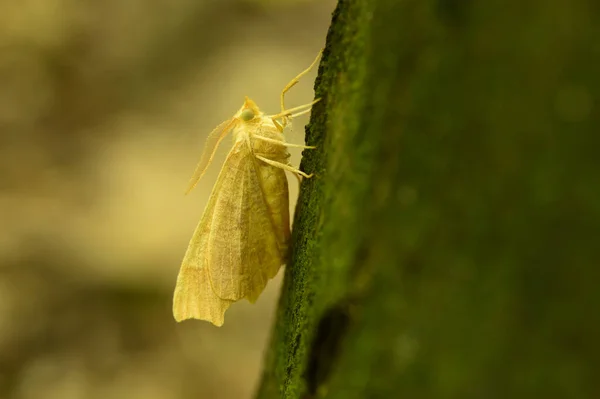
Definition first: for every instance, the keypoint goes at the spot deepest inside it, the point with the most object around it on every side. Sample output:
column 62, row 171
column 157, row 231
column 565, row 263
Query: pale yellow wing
column 194, row 297
column 248, row 242
column 240, row 242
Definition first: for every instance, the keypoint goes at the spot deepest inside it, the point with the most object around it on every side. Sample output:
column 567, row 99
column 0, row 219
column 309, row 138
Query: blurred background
column 104, row 107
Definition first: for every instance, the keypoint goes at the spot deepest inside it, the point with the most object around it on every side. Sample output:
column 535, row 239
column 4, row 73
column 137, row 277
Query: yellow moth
column 242, row 238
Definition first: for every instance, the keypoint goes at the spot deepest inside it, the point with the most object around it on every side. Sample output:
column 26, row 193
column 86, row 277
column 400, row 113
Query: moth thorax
column 274, row 151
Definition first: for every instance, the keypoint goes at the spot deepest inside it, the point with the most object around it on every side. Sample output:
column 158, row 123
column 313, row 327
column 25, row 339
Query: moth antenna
column 212, row 143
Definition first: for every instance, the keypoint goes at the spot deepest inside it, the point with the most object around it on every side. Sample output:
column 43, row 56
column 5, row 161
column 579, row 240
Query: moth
column 243, row 236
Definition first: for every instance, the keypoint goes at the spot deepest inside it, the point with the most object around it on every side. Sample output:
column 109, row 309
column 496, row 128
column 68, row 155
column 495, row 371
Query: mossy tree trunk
column 448, row 245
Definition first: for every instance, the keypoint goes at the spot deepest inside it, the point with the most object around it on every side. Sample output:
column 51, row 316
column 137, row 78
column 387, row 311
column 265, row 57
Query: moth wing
column 194, row 297
column 248, row 240
column 210, row 148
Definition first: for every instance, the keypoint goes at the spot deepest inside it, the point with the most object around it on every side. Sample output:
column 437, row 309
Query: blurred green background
column 104, row 107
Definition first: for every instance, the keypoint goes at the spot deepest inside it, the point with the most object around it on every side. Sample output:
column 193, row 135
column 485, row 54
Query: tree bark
column 448, row 245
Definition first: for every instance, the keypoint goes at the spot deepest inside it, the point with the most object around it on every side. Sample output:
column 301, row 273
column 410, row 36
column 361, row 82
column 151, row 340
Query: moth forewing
column 195, row 299
column 194, row 295
column 248, row 244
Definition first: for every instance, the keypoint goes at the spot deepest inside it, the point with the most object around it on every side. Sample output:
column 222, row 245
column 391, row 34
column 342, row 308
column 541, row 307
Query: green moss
column 447, row 246
column 308, row 289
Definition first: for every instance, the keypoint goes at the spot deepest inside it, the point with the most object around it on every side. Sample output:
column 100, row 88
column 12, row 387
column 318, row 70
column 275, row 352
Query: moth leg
column 295, row 80
column 287, row 114
column 306, row 111
column 283, row 166
column 279, row 125
column 282, row 143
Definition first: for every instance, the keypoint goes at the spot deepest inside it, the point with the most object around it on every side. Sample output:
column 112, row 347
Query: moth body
column 242, row 238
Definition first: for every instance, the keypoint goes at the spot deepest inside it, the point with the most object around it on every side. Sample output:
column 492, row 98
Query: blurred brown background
column 104, row 107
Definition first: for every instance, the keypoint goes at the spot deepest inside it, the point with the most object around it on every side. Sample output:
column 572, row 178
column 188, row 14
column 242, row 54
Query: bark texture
column 449, row 243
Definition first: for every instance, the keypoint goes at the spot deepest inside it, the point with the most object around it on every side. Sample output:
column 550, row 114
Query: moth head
column 249, row 111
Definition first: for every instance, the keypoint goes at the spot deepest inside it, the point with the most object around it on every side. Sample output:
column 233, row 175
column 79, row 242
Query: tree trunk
column 448, row 245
